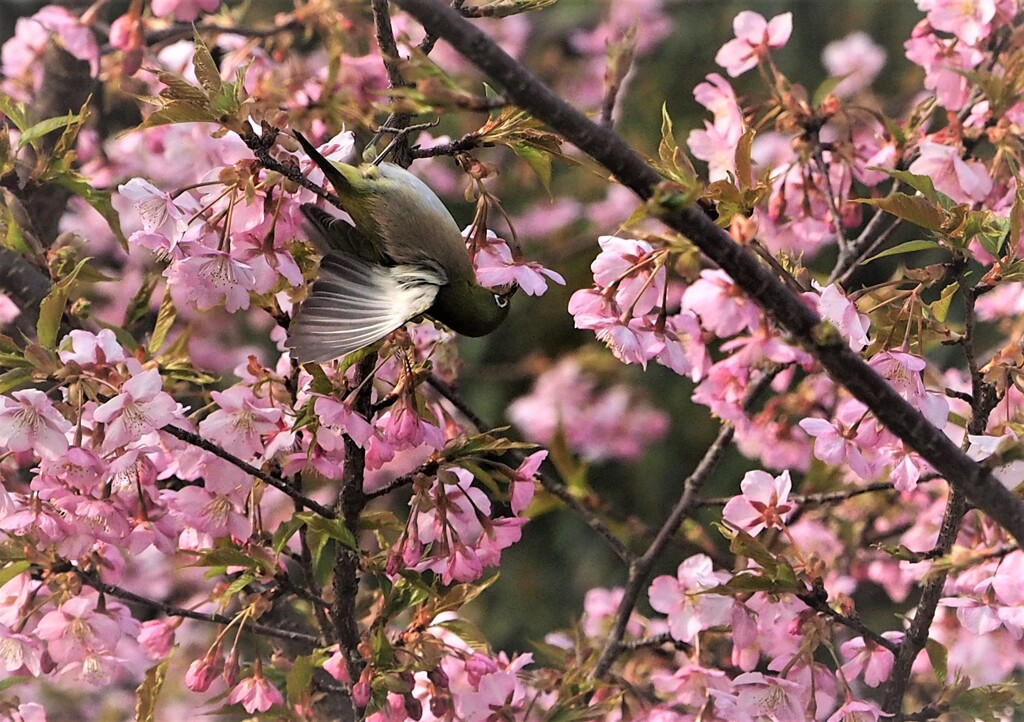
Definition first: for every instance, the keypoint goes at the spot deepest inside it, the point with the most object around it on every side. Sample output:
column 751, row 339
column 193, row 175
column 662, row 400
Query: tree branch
column 169, row 609
column 843, row 365
column 280, row 484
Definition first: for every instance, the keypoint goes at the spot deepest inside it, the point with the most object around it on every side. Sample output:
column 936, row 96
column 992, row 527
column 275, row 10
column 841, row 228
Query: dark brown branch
column 640, row 569
column 349, row 506
column 789, row 312
column 169, row 609
column 280, row 484
column 818, row 601
column 560, row 491
column 985, row 400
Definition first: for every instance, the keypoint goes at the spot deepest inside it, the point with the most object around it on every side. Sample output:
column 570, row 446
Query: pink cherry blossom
column 835, row 307
column 754, row 38
column 945, row 62
column 858, row 711
column 857, row 57
column 202, row 672
column 596, row 423
column 210, row 277
column 157, row 637
column 869, row 658
column 256, row 693
column 337, row 418
column 684, row 599
column 93, row 349
column 847, row 440
column 969, row 20
column 965, row 181
column 241, row 422
column 496, row 267
column 764, row 503
column 723, row 308
column 30, row 422
column 756, row 696
column 20, row 653
column 140, row 408
column 184, row 11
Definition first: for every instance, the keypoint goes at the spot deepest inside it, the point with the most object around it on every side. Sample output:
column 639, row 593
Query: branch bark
column 789, row 312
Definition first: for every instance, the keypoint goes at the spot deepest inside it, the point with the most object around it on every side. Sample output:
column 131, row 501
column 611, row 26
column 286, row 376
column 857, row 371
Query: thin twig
column 169, row 609
column 280, row 484
column 825, row 497
column 448, row 392
column 985, row 400
column 640, row 569
column 818, row 601
column 589, row 516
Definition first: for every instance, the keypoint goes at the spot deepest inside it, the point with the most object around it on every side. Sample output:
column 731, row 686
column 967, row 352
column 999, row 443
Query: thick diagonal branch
column 789, row 312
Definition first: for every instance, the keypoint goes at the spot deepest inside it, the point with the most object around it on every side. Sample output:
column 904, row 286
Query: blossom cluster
column 173, row 480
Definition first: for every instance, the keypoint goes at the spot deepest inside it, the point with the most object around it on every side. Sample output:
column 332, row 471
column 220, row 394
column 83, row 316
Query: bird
column 402, row 257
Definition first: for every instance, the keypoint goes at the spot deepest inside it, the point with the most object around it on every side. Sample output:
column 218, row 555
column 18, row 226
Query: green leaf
column 916, row 209
column 231, row 557
column 15, row 111
column 921, row 183
column 938, row 655
column 239, row 584
column 10, row 571
column 940, row 308
column 149, row 690
column 467, row 632
column 298, row 678
column 164, row 320
column 284, row 532
column 206, row 69
column 97, row 198
column 539, row 162
column 922, row 244
column 748, row 582
column 13, row 379
column 675, row 164
column 744, row 164
column 331, row 528
column 46, row 127
column 988, row 702
column 51, row 308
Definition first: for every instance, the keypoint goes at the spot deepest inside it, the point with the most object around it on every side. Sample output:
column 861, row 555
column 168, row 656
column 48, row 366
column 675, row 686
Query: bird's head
column 470, row 309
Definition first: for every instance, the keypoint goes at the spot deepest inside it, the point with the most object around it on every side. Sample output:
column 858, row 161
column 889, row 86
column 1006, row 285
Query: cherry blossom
column 241, row 421
column 141, row 407
column 763, row 503
column 256, row 693
column 857, row 57
column 685, row 600
column 754, row 38
column 30, row 422
column 869, row 659
column 963, row 181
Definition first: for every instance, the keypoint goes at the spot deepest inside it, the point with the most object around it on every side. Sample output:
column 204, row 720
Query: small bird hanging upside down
column 403, row 258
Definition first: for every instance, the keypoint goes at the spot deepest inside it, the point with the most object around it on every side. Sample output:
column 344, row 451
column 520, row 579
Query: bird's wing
column 354, row 303
column 330, row 234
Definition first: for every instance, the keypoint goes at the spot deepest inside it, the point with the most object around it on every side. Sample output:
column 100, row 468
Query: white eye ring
column 502, row 301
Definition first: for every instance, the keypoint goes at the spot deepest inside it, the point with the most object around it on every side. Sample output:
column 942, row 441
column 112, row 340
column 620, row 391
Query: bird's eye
column 502, row 301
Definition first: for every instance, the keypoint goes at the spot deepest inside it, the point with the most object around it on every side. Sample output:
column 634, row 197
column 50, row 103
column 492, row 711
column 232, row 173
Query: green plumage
column 402, row 256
